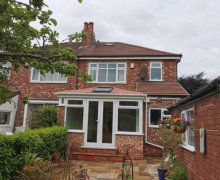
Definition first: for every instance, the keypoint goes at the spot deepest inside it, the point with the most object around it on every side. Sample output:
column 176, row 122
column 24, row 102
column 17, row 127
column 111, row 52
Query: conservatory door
column 99, row 123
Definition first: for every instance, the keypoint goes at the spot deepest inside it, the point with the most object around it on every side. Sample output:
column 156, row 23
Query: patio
column 103, row 170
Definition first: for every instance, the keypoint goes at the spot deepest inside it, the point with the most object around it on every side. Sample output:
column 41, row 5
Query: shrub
column 177, row 171
column 49, row 115
column 43, row 142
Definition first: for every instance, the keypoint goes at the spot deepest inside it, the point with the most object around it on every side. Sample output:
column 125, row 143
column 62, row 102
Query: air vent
column 103, row 89
column 109, row 44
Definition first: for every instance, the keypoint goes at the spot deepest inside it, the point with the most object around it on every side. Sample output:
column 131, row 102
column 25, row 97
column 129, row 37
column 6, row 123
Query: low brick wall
column 133, row 143
column 152, row 151
column 75, row 141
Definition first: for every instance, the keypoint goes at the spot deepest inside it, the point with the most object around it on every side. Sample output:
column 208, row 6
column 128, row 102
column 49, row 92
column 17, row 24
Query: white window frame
column 74, row 106
column 117, row 68
column 6, row 112
column 39, row 81
column 186, row 143
column 139, row 107
column 162, row 115
column 161, row 69
column 7, row 65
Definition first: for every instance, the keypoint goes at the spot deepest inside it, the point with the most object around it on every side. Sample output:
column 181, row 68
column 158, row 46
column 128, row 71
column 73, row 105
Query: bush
column 49, row 115
column 177, row 171
column 43, row 142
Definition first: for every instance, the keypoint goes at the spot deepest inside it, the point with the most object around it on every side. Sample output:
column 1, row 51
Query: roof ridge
column 149, row 48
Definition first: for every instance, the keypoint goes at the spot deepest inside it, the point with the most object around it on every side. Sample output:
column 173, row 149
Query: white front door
column 99, row 124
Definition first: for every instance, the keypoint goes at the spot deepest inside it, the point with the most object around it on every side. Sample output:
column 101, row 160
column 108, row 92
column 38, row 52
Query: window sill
column 151, row 126
column 47, row 82
column 129, row 133
column 107, row 83
column 187, row 147
column 75, row 131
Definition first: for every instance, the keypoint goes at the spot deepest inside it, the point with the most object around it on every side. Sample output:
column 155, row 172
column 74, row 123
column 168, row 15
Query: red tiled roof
column 11, row 95
column 115, row 91
column 161, row 88
column 118, row 49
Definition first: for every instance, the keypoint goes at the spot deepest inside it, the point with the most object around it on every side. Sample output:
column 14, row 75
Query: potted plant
column 179, row 125
column 170, row 141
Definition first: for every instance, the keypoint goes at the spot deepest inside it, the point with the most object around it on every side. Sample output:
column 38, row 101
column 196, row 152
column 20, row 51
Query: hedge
column 44, row 142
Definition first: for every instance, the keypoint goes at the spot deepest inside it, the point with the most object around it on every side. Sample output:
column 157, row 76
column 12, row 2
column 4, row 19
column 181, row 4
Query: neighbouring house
column 131, row 90
column 200, row 151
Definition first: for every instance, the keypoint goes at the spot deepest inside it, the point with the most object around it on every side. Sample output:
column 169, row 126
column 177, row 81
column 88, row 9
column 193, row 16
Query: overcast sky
column 190, row 27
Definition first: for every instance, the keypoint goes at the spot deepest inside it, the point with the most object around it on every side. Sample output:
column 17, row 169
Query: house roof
column 118, row 49
column 161, row 88
column 89, row 92
column 210, row 89
column 11, row 95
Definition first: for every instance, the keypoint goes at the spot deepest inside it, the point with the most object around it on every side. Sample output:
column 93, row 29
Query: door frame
column 99, row 143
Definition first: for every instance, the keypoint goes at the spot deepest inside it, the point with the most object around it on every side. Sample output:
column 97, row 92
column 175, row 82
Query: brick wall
column 133, row 143
column 21, row 81
column 206, row 115
column 75, row 141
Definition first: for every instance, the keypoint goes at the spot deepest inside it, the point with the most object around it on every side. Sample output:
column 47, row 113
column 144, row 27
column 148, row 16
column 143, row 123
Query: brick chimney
column 90, row 42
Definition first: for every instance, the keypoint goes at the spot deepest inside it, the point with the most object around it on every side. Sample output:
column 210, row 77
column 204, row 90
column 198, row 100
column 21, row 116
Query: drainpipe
column 77, row 74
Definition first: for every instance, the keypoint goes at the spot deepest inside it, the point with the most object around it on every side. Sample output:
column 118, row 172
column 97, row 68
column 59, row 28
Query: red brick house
column 200, row 151
column 131, row 89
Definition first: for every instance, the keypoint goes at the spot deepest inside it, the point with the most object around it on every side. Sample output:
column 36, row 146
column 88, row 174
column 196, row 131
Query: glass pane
column 111, row 65
column 156, row 65
column 121, row 65
column 128, row 103
column 102, row 75
column 128, row 120
column 93, row 65
column 80, row 102
column 92, row 122
column 184, row 134
column 111, row 75
column 49, row 77
column 35, row 74
column 155, row 116
column 74, row 118
column 93, row 74
column 155, row 74
column 107, row 122
column 4, row 118
column 61, row 77
column 102, row 65
column 190, row 128
column 121, row 75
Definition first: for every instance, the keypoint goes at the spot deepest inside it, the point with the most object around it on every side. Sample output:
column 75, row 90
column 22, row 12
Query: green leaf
column 80, row 1
column 53, row 21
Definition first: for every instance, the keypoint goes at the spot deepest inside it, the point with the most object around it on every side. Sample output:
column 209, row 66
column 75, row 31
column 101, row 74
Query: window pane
column 74, row 118
column 190, row 128
column 111, row 75
column 121, row 65
column 93, row 74
column 111, row 65
column 156, row 65
column 120, row 75
column 4, row 118
column 49, row 77
column 78, row 102
column 155, row 116
column 128, row 103
column 61, row 77
column 128, row 120
column 35, row 74
column 184, row 134
column 155, row 74
column 93, row 65
column 102, row 65
column 102, row 75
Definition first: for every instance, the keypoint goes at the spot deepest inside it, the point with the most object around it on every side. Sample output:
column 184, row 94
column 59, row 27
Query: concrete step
column 98, row 151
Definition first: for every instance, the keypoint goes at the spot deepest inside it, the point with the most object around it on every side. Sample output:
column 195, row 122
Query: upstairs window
column 108, row 72
column 156, row 71
column 5, row 69
column 47, row 78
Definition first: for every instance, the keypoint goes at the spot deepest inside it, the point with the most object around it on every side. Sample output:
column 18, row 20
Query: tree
column 193, row 82
column 23, row 45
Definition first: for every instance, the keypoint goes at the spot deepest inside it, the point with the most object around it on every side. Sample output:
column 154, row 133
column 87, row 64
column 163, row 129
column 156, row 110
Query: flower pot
column 178, row 129
column 161, row 173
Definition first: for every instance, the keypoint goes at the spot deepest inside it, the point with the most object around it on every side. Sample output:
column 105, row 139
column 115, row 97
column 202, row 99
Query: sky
column 189, row 27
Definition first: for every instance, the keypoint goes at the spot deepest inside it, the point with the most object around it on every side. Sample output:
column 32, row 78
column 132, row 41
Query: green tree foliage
column 193, row 82
column 49, row 115
column 23, row 45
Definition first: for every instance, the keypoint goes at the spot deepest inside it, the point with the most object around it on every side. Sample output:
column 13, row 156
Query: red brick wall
column 61, row 114
column 21, row 81
column 133, row 143
column 150, row 150
column 75, row 141
column 206, row 115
